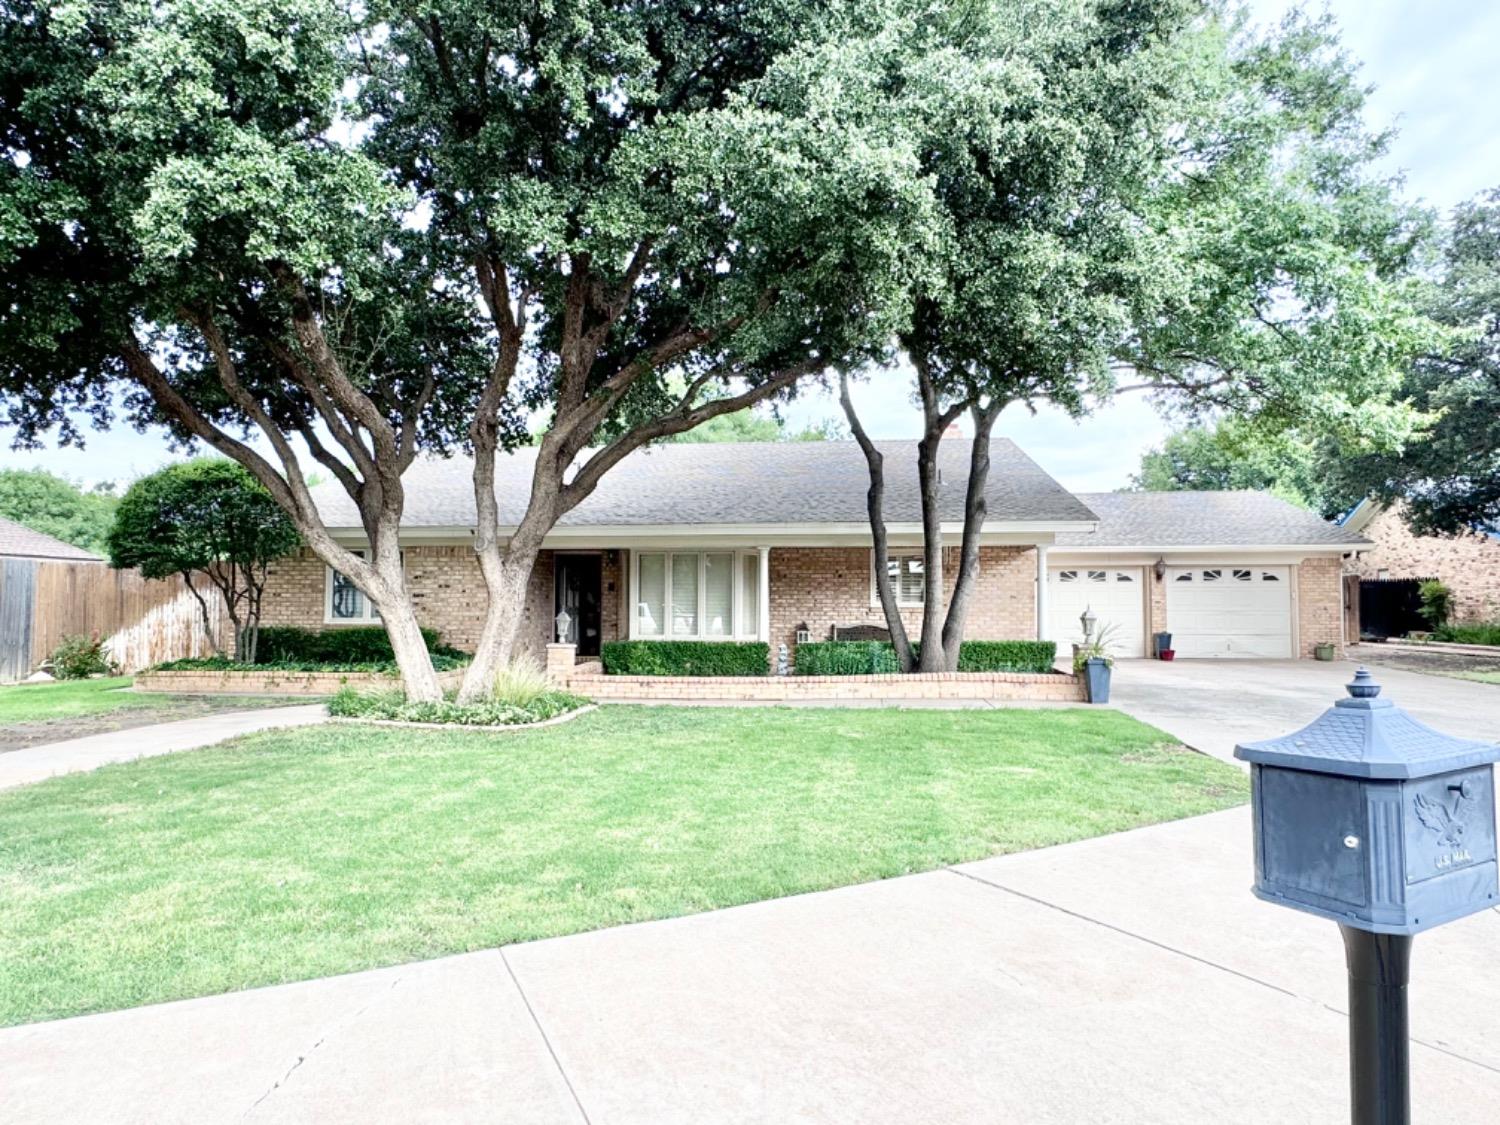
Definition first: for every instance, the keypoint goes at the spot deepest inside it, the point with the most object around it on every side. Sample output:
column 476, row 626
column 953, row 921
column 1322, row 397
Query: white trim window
column 344, row 603
column 696, row 595
column 908, row 578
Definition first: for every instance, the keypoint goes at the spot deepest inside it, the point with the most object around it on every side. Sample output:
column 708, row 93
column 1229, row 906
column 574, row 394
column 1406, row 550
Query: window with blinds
column 697, row 594
column 908, row 578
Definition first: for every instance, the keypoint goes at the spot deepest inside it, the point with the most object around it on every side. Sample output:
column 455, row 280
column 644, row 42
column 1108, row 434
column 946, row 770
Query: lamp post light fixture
column 1088, row 621
column 564, row 624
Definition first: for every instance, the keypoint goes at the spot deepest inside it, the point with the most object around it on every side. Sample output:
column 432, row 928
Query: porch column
column 1041, row 591
column 763, row 594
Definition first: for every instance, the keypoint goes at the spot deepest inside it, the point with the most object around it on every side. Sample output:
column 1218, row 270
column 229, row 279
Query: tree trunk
column 875, row 504
column 506, row 578
column 931, row 658
column 208, row 623
column 975, row 508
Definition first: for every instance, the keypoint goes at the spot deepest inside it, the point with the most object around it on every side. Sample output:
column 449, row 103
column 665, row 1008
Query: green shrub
column 79, row 657
column 393, row 706
column 1470, row 633
column 1437, row 602
column 870, row 658
column 342, row 644
column 846, row 658
column 441, row 662
column 1007, row 656
column 685, row 658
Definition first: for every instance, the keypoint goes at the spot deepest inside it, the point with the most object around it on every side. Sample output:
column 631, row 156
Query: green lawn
column 66, row 699
column 1486, row 677
column 295, row 854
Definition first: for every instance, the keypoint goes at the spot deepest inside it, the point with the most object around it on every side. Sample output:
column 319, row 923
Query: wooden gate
column 1388, row 607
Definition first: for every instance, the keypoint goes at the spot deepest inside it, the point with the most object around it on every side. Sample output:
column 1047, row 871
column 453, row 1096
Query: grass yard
column 35, row 714
column 1491, row 676
column 295, row 854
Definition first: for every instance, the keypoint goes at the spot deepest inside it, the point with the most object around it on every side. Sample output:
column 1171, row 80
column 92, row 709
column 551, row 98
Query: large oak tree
column 364, row 233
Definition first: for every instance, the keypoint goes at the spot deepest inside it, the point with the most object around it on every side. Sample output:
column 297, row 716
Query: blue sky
column 1432, row 64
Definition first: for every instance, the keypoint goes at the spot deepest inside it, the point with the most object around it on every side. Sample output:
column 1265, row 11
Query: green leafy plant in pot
column 1092, row 661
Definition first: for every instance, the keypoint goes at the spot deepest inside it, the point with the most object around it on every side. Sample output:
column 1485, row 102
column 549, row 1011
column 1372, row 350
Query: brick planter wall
column 1014, row 686
column 271, row 681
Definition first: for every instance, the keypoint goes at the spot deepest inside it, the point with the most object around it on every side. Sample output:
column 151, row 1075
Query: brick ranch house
column 760, row 541
column 1468, row 564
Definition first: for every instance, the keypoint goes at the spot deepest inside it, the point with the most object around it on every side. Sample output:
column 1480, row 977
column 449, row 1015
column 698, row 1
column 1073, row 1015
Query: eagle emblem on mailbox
column 1449, row 824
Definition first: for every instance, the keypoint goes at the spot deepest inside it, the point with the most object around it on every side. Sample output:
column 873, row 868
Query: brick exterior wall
column 826, row 586
column 1320, row 604
column 1469, row 564
column 447, row 591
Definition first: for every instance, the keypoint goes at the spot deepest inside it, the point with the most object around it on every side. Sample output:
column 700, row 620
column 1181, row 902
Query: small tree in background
column 207, row 517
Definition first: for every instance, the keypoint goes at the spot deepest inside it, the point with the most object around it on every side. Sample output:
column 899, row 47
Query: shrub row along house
column 771, row 542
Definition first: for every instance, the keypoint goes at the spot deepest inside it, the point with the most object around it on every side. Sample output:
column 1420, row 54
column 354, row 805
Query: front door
column 576, row 583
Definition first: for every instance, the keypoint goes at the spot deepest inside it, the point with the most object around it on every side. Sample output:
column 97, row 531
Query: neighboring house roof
column 1205, row 519
column 736, row 484
column 17, row 541
column 1365, row 512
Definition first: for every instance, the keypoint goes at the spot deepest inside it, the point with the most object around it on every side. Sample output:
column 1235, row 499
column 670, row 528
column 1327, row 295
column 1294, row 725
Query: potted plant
column 1323, row 651
column 1092, row 661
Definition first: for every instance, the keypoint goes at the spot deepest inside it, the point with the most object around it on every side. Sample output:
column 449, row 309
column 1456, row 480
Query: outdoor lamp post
column 1387, row 827
column 1088, row 621
column 564, row 623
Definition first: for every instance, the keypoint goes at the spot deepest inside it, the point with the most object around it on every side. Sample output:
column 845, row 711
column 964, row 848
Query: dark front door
column 577, row 590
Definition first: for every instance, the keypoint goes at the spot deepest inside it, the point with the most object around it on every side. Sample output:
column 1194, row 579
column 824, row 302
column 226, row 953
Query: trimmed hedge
column 846, row 658
column 342, row 644
column 877, row 658
column 441, row 662
column 685, row 658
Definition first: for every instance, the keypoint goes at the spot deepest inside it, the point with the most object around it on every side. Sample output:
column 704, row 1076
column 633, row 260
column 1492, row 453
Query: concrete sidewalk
column 1130, row 978
column 22, row 767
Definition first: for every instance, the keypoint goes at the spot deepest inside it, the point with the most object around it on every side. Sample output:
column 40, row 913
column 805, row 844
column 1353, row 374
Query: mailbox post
column 1387, row 827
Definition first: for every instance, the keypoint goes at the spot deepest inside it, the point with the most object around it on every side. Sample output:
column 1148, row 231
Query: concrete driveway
column 1125, row 979
column 1211, row 705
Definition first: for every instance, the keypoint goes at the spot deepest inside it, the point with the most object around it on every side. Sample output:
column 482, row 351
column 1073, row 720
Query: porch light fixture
column 1088, row 621
column 1159, row 568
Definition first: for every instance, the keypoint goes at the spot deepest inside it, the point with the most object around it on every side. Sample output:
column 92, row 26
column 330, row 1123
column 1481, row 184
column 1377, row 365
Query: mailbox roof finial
column 1366, row 736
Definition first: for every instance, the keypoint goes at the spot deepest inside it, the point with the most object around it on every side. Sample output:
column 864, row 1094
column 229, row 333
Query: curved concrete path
column 1126, row 979
column 22, row 767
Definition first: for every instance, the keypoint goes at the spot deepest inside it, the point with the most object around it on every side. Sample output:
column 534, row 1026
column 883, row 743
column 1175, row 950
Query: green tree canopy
column 1235, row 456
column 57, row 507
column 1449, row 475
column 211, row 520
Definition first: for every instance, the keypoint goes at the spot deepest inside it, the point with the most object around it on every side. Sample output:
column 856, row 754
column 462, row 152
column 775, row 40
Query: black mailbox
column 1387, row 826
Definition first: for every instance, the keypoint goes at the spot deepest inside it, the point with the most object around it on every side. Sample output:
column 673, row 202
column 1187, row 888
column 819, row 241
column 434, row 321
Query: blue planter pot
column 1096, row 680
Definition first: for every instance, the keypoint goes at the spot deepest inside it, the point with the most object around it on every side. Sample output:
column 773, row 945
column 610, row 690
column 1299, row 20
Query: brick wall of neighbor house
column 826, row 586
column 447, row 591
column 1469, row 564
column 1320, row 603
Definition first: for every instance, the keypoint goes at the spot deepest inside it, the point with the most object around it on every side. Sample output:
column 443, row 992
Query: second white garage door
column 1230, row 611
column 1116, row 595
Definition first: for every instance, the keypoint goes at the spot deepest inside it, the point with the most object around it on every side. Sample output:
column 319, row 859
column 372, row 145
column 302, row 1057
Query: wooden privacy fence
column 144, row 621
column 1390, row 607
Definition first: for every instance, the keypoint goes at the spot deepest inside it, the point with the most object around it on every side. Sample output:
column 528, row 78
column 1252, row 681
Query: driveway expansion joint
column 546, row 1039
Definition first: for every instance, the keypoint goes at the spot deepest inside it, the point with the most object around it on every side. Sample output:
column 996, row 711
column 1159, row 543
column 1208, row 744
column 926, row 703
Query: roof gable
column 1205, row 519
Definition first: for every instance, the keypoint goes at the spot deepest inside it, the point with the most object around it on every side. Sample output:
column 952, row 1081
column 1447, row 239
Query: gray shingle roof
column 1202, row 519
column 735, row 483
column 17, row 541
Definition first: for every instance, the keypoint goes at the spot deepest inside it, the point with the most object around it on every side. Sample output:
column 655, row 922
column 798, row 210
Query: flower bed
column 393, row 706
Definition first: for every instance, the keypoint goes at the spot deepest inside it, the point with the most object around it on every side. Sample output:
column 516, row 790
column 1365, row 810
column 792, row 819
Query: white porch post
column 763, row 594
column 1041, row 592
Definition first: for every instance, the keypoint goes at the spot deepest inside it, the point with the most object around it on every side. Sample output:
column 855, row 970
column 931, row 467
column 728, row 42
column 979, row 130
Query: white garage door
column 1230, row 611
column 1115, row 594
